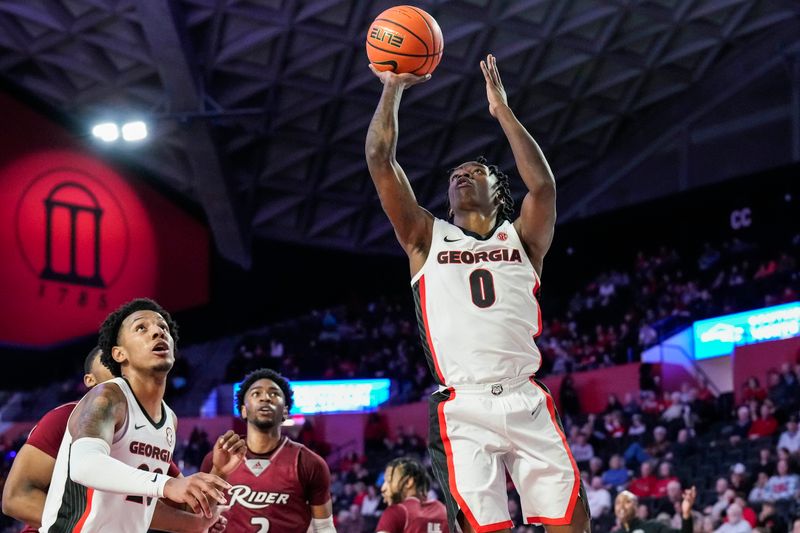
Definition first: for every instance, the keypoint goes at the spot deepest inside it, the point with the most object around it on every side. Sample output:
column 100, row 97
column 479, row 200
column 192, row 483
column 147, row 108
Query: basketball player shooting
column 474, row 280
column 112, row 463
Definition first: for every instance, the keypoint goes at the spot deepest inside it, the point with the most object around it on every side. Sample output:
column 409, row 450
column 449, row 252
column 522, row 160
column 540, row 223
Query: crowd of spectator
column 743, row 459
column 611, row 320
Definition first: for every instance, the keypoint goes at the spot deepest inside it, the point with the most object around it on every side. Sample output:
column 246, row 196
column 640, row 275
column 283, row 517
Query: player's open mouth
column 463, row 182
column 161, row 348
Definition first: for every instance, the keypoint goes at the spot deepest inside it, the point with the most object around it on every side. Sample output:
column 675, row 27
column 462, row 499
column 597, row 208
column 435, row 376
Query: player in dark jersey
column 26, row 487
column 405, row 491
column 280, row 485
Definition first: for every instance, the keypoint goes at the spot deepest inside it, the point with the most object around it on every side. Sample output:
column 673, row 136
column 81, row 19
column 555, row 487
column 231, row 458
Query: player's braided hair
column 265, row 373
column 502, row 190
column 109, row 330
column 411, row 469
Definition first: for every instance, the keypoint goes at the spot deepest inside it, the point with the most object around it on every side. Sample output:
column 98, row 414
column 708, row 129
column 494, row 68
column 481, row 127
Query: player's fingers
column 228, row 440
column 495, row 72
column 485, row 71
column 202, row 500
column 240, row 448
column 191, row 501
column 213, row 492
column 216, row 481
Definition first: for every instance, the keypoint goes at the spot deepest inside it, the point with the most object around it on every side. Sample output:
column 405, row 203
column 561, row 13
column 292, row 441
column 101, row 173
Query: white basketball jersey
column 140, row 443
column 476, row 306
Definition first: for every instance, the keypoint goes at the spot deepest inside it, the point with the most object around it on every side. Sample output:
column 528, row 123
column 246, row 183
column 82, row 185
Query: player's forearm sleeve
column 323, row 525
column 91, row 465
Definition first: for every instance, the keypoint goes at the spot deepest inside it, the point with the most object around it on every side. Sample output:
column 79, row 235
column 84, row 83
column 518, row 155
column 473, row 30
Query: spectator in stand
column 660, row 446
column 783, row 485
column 637, row 427
column 614, row 425
column 665, row 477
column 752, row 390
column 599, row 498
column 631, row 404
column 739, row 480
column 790, row 439
column 370, row 502
column 595, row 467
column 735, row 523
column 741, row 427
column 747, row 512
column 582, row 451
column 725, row 497
column 630, row 518
column 792, row 383
column 683, row 447
column 765, row 425
column 764, row 463
column 759, row 493
column 777, row 391
column 769, row 520
column 617, row 476
column 644, row 486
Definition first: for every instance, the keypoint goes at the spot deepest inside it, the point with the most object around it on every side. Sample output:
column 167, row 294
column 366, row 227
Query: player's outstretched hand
column 495, row 92
column 229, row 452
column 404, row 80
column 197, row 491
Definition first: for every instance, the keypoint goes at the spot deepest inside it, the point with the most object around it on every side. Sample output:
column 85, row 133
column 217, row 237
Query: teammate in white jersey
column 112, row 463
column 474, row 282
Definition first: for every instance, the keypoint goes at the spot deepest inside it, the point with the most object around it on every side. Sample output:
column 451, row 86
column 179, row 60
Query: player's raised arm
column 537, row 218
column 412, row 224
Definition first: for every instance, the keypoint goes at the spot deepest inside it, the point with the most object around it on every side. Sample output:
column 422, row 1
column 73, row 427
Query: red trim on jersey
column 85, row 515
column 451, row 473
column 538, row 307
column 573, row 497
column 423, row 305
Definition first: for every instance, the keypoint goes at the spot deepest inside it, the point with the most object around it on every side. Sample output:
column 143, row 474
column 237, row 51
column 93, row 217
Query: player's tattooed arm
column 537, row 219
column 412, row 224
column 99, row 414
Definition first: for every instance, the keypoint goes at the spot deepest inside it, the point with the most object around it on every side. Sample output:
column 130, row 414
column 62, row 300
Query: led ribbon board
column 334, row 396
column 718, row 336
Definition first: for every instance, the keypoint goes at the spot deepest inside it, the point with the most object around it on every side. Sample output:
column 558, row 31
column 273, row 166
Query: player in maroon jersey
column 26, row 487
column 280, row 485
column 405, row 491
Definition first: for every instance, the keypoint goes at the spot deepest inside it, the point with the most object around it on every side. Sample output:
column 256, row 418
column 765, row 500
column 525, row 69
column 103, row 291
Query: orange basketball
column 405, row 39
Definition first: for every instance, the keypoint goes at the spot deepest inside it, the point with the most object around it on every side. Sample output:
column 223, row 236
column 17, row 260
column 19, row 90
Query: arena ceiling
column 260, row 108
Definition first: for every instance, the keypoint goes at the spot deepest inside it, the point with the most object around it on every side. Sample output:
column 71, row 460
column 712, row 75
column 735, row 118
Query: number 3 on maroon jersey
column 261, row 522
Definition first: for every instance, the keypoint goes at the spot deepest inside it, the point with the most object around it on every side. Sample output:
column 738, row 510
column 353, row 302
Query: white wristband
column 323, row 525
column 91, row 465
